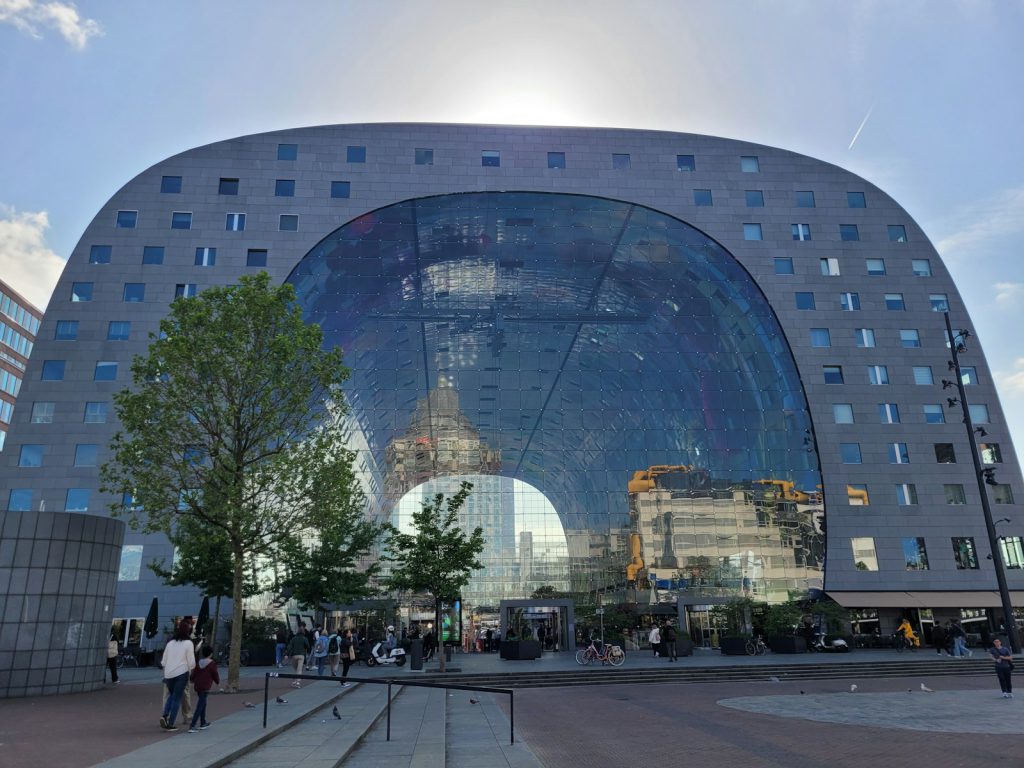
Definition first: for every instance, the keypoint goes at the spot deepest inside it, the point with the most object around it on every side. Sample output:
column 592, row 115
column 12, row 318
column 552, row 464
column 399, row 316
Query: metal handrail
column 392, row 681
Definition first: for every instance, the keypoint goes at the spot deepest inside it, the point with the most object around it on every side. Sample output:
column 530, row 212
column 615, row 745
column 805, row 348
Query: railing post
column 389, row 710
column 266, row 696
column 512, row 717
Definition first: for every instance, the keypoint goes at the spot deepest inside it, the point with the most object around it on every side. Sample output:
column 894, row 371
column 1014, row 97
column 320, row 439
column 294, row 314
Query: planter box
column 733, row 646
column 520, row 650
column 684, row 646
column 787, row 644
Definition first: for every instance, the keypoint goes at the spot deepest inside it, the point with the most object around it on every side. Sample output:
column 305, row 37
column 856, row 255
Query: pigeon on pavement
column 853, row 687
column 774, row 679
column 926, row 689
column 248, row 705
column 336, row 713
column 474, row 701
column 281, row 700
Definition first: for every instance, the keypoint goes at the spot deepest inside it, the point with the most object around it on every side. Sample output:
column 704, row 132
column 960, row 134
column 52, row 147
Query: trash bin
column 447, row 653
column 416, row 654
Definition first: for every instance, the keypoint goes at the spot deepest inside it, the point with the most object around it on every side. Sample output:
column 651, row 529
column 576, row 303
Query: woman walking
column 178, row 661
column 112, row 652
column 348, row 655
column 1004, row 667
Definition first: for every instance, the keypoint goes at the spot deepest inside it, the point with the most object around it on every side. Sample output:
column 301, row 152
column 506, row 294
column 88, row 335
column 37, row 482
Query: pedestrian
column 203, row 677
column 298, row 649
column 428, row 645
column 282, row 643
column 178, row 661
column 489, row 640
column 668, row 640
column 960, row 640
column 939, row 638
column 320, row 651
column 1004, row 667
column 655, row 640
column 347, row 646
column 334, row 652
column 541, row 634
column 112, row 653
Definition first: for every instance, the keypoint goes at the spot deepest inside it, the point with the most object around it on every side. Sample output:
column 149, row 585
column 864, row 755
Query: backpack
column 321, row 646
column 332, row 645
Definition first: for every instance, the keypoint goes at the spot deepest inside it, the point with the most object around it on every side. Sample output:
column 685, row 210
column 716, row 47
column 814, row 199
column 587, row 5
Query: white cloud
column 1008, row 293
column 982, row 223
column 26, row 262
column 1011, row 381
column 31, row 16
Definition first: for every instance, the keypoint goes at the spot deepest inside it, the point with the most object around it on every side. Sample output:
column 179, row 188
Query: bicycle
column 224, row 656
column 903, row 642
column 756, row 647
column 612, row 654
column 127, row 658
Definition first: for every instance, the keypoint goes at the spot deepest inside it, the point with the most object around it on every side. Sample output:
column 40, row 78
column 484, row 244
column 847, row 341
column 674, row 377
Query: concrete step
column 417, row 733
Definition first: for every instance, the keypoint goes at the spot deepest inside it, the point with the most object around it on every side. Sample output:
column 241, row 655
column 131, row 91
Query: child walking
column 204, row 676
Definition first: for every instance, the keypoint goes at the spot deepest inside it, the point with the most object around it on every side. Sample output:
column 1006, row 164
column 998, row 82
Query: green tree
column 440, row 557
column 234, row 421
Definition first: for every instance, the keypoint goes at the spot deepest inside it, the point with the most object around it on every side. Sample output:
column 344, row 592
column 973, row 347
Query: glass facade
column 617, row 363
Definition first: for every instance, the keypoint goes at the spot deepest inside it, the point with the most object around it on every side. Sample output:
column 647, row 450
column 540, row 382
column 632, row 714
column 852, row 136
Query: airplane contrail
column 862, row 124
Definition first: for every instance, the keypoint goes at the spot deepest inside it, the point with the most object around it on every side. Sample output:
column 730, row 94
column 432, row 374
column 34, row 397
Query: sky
column 924, row 98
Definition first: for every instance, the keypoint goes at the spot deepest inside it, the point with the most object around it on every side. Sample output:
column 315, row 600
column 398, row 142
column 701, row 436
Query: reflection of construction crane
column 647, row 479
column 787, row 490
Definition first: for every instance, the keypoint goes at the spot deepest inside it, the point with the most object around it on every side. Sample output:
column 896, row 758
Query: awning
column 923, row 599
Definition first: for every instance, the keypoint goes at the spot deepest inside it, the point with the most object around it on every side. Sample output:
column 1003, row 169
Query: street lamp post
column 984, row 477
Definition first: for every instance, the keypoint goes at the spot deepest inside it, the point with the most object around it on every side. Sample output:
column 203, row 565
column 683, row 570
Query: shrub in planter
column 733, row 646
column 787, row 644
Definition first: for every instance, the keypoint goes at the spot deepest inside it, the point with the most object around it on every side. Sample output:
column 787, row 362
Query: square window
column 77, row 500
column 685, row 163
column 820, row 337
column 119, row 330
column 954, row 494
column 490, row 158
column 804, row 300
column 355, row 154
column 878, row 375
column 875, row 267
column 944, row 453
column 897, row 233
column 31, row 456
column 915, row 555
column 833, row 374
column 181, row 220
column 234, row 222
column 702, row 197
column 287, row 151
column 423, row 156
column 864, row 558
column 95, row 413
column 850, row 302
column 53, row 370
column 829, row 267
column 256, row 257
column 42, row 412
column 81, row 291
column 906, row 494
column 153, row 254
column 933, row 414
column 910, row 338
column 620, row 161
column 898, row 453
column 206, row 257
column 805, row 199
column 850, row 453
column 556, row 159
column 857, row 495
column 894, row 302
column 341, row 189
column 968, row 375
column 99, row 254
column 923, row 375
column 170, row 185
column 127, row 219
column 284, row 188
column 921, row 267
column 1012, row 551
column 131, row 563
column 134, row 293
column 855, row 200
column 752, row 232
column 20, row 500
column 184, row 290
column 849, row 233
column 979, row 414
column 842, row 413
column 755, row 198
column 750, row 164
column 783, row 265
column 1002, row 494
column 67, row 330
column 888, row 413
column 228, row 187
column 289, row 222
column 801, row 231
column 939, row 302
column 990, row 453
column 85, row 455
column 865, row 337
column 964, row 553
column 106, row 370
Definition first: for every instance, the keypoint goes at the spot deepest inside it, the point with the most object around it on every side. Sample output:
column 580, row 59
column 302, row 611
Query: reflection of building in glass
column 19, row 322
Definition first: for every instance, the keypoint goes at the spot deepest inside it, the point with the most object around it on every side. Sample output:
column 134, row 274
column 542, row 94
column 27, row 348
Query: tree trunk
column 216, row 624
column 440, row 633
column 235, row 656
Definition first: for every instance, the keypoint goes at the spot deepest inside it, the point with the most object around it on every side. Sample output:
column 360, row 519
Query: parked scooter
column 380, row 655
column 821, row 642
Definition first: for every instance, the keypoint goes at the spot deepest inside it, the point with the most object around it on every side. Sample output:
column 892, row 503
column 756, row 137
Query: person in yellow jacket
column 908, row 632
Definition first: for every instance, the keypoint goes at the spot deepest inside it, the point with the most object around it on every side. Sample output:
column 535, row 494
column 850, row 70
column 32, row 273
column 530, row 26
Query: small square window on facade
column 875, row 267
column 341, row 189
column 954, row 493
column 134, row 292
column 256, row 257
column 849, row 233
column 66, row 330
column 153, row 254
column 833, row 374
column 170, row 185
column 77, row 500
column 81, row 292
column 964, row 553
column 910, row 338
column 422, row 156
column 289, row 222
column 119, row 330
column 234, row 222
column 842, row 413
column 490, row 158
column 185, row 290
column 95, row 413
column 783, row 265
column 1002, row 494
column 755, row 198
column 804, row 300
column 979, row 413
column 106, row 370
column 620, row 161
column 850, row 302
column 1012, row 550
column 287, row 151
column 921, row 267
column 752, row 232
column 206, row 257
column 864, row 337
column 556, row 159
column 100, row 254
column 750, row 164
column 894, row 302
column 284, row 188
column 127, row 219
column 181, row 220
column 355, row 154
column 820, row 337
column 878, row 375
column 20, row 500
column 685, row 163
column 864, row 557
column 702, row 197
column 939, row 302
column 850, row 453
column 897, row 233
column 933, row 414
column 829, row 267
column 31, row 456
column 800, row 231
column 906, row 494
column 898, row 453
column 227, row 187
column 42, row 412
column 923, row 375
column 856, row 200
column 805, row 199
column 990, row 453
column 968, row 375
column 888, row 413
column 130, row 567
column 914, row 554
column 53, row 370
column 85, row 455
column 944, row 453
